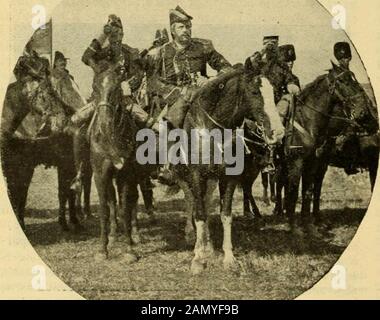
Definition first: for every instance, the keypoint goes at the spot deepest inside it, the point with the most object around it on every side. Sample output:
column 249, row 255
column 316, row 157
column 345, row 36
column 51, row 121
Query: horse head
column 350, row 95
column 113, row 124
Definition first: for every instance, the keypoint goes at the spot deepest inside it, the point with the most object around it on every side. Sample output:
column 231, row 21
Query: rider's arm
column 215, row 60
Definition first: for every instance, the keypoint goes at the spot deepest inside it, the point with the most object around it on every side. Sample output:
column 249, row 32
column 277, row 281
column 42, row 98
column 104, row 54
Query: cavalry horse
column 113, row 157
column 50, row 146
column 307, row 131
column 359, row 151
column 223, row 103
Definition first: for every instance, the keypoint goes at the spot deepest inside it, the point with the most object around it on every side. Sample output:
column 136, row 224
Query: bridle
column 347, row 102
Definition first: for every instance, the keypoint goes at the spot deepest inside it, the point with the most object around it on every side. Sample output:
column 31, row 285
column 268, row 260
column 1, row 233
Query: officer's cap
column 342, row 50
column 59, row 56
column 179, row 15
column 270, row 38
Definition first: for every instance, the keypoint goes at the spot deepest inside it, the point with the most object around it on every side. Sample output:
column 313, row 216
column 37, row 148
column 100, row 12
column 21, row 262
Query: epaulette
column 135, row 54
column 207, row 44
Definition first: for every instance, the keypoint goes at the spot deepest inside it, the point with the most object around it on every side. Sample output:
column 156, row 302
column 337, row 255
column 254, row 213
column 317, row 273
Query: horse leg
column 147, row 193
column 135, row 226
column 307, row 194
column 264, row 181
column 280, row 183
column 87, row 176
column 272, row 183
column 189, row 203
column 199, row 187
column 111, row 198
column 318, row 180
column 246, row 184
column 229, row 261
column 62, row 198
column 129, row 197
column 294, row 169
column 20, row 193
column 211, row 186
column 102, row 180
column 372, row 167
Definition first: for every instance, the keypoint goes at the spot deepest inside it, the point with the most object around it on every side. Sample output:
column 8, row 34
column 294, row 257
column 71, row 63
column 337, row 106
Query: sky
column 235, row 27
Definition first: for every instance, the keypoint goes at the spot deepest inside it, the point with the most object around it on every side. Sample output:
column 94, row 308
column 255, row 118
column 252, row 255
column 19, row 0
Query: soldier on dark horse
column 308, row 130
column 275, row 63
column 42, row 139
column 348, row 147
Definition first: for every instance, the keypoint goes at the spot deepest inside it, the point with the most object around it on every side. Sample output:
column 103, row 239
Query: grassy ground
column 272, row 265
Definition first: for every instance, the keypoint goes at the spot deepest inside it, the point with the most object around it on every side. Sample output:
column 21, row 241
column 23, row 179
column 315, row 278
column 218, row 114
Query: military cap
column 114, row 21
column 342, row 50
column 59, row 56
column 287, row 53
column 179, row 15
column 162, row 35
column 270, row 38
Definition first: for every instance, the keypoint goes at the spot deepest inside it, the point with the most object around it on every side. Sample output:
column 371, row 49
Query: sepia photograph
column 187, row 150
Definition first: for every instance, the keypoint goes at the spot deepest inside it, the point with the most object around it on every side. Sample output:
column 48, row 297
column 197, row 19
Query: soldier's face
column 290, row 64
column 116, row 37
column 181, row 32
column 61, row 65
column 345, row 62
column 270, row 45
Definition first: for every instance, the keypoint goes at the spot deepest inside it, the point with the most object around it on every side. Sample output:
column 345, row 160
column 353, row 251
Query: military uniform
column 275, row 70
column 286, row 54
column 100, row 59
column 176, row 70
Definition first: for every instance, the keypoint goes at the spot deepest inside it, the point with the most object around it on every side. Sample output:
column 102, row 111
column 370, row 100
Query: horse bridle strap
column 224, row 128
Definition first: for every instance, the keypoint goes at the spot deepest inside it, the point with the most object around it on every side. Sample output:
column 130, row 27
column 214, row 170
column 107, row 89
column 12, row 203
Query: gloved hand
column 293, row 89
column 188, row 93
column 201, row 81
column 125, row 86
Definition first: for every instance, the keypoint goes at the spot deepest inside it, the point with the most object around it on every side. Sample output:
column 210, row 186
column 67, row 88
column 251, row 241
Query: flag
column 41, row 41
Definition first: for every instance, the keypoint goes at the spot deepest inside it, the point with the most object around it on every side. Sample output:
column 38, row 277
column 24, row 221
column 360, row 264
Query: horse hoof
column 190, row 238
column 230, row 264
column 136, row 238
column 78, row 227
column 64, row 226
column 101, row 256
column 297, row 232
column 130, row 258
column 112, row 240
column 197, row 267
column 314, row 233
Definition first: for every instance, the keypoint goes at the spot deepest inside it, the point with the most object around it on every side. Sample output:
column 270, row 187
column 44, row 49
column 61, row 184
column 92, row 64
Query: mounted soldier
column 287, row 56
column 103, row 53
column 180, row 66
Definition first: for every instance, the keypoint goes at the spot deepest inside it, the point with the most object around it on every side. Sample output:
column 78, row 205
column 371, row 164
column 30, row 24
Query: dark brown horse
column 360, row 150
column 113, row 147
column 35, row 98
column 221, row 104
column 308, row 130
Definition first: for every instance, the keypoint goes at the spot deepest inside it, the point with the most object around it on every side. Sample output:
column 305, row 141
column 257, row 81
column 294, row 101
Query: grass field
column 272, row 265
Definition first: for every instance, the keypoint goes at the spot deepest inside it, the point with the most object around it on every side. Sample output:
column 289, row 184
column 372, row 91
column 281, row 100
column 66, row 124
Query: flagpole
column 51, row 41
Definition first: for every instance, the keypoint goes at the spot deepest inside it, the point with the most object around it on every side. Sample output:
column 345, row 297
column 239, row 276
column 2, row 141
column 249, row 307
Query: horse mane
column 312, row 86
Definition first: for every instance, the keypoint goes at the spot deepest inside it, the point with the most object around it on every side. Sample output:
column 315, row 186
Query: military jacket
column 277, row 72
column 175, row 67
column 103, row 58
